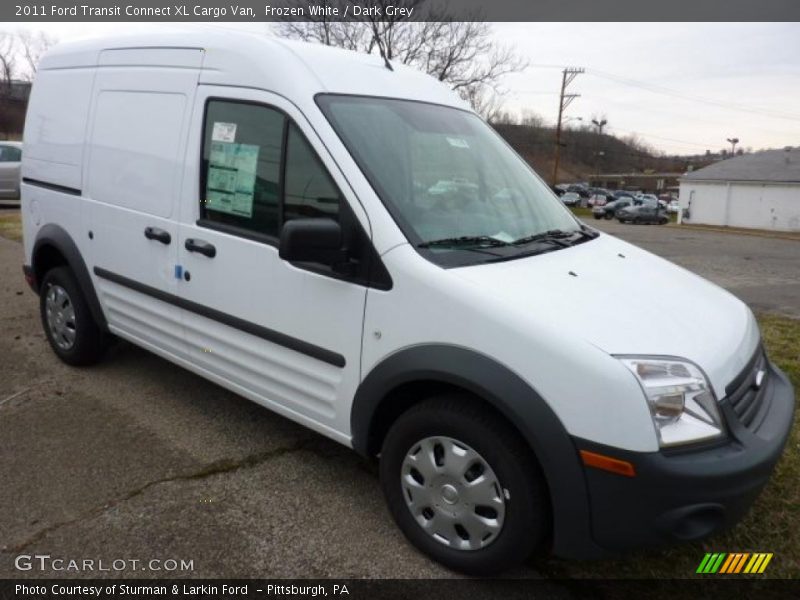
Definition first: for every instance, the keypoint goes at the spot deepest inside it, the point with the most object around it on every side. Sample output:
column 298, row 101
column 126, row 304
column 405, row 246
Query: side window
column 10, row 154
column 241, row 170
column 309, row 191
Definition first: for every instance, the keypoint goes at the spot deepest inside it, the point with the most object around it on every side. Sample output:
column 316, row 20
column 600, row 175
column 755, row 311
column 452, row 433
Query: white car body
column 103, row 180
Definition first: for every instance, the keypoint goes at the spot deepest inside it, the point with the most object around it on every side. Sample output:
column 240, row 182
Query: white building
column 758, row 191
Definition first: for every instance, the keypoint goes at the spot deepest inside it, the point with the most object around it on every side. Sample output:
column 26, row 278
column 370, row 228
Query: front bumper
column 688, row 494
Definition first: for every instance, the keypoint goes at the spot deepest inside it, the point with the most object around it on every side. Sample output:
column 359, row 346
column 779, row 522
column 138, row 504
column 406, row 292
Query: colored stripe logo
column 734, row 563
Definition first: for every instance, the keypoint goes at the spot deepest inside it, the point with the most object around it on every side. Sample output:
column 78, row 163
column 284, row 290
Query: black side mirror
column 312, row 240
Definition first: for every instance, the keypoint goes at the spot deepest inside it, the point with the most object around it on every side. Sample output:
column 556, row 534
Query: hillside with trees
column 584, row 152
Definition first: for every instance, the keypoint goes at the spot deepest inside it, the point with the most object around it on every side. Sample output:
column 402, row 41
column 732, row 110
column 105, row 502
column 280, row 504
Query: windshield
column 455, row 188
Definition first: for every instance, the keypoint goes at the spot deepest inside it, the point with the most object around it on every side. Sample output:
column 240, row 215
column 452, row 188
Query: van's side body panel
column 136, row 144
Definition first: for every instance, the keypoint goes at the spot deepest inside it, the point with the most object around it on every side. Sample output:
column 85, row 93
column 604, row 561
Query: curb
column 777, row 235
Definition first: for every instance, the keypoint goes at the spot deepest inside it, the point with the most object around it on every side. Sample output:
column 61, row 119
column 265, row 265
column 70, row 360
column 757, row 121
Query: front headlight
column 681, row 401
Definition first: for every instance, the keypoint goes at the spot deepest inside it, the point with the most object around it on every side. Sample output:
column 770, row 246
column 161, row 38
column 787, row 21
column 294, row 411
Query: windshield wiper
column 480, row 241
column 556, row 236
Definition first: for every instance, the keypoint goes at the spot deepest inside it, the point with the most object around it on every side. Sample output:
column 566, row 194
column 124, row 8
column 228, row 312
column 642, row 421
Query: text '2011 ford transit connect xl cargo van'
column 352, row 247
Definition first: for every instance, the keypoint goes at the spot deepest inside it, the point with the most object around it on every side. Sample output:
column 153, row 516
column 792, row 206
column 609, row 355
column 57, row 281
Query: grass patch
column 769, row 526
column 11, row 225
column 581, row 212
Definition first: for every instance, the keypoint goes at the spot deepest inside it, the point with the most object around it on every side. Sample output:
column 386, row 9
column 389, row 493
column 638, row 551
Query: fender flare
column 56, row 237
column 512, row 397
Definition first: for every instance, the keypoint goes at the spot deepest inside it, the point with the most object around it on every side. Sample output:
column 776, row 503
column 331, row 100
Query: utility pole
column 564, row 101
column 733, row 142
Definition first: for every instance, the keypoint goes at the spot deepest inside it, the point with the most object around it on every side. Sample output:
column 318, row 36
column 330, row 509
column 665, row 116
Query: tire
column 68, row 324
column 522, row 518
column 597, row 217
column 636, row 221
column 609, row 216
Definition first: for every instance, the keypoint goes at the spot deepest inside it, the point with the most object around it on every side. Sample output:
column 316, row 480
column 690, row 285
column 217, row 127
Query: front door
column 287, row 336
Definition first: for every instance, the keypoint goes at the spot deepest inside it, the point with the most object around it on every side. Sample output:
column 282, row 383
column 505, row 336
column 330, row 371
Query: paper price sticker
column 223, row 132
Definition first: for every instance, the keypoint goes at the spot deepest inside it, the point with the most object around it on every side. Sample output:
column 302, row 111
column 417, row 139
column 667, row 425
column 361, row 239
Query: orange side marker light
column 606, row 463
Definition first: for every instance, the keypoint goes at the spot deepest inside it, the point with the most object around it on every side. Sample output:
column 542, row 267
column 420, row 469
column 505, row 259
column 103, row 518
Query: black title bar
column 388, row 10
column 412, row 589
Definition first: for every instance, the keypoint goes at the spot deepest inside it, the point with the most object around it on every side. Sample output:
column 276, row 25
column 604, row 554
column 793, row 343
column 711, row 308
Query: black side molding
column 52, row 186
column 322, row 354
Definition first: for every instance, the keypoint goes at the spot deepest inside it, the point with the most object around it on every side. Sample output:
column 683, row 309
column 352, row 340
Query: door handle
column 201, row 246
column 154, row 233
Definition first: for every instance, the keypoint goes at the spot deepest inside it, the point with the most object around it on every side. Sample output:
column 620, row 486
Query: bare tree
column 8, row 58
column 20, row 54
column 532, row 119
column 7, row 74
column 462, row 53
column 32, row 47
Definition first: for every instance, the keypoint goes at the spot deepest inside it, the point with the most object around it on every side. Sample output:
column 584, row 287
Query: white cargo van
column 352, row 247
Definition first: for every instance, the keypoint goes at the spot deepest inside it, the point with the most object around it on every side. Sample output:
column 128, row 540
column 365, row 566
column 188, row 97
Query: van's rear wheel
column 68, row 324
column 463, row 486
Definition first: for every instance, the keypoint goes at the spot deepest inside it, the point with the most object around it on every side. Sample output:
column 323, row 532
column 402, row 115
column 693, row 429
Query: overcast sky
column 681, row 87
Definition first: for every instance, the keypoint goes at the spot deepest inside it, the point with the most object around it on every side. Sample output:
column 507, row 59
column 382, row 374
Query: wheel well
column 404, row 396
column 47, row 257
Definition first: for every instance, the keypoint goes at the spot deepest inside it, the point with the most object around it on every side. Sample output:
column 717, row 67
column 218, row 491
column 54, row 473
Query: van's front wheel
column 68, row 324
column 463, row 486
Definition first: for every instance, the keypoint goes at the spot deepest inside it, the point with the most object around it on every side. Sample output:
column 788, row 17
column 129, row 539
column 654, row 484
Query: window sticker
column 223, row 132
column 456, row 142
column 231, row 178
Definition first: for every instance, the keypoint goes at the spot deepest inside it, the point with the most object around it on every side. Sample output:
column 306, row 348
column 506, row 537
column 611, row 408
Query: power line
column 657, row 89
column 668, row 139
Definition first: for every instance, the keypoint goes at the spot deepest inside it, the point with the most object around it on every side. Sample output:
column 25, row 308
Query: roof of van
column 249, row 60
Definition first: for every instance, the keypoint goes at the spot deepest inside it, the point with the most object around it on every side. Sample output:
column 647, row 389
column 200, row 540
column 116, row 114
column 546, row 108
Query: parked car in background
column 558, row 191
column 667, row 198
column 599, row 199
column 571, row 199
column 650, row 200
column 609, row 210
column 643, row 213
column 579, row 189
column 10, row 160
column 673, row 207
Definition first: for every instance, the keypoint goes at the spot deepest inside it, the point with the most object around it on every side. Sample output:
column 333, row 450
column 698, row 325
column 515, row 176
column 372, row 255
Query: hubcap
column 60, row 315
column 453, row 493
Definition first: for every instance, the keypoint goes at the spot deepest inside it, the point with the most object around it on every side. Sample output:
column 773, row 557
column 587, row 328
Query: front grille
column 745, row 396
